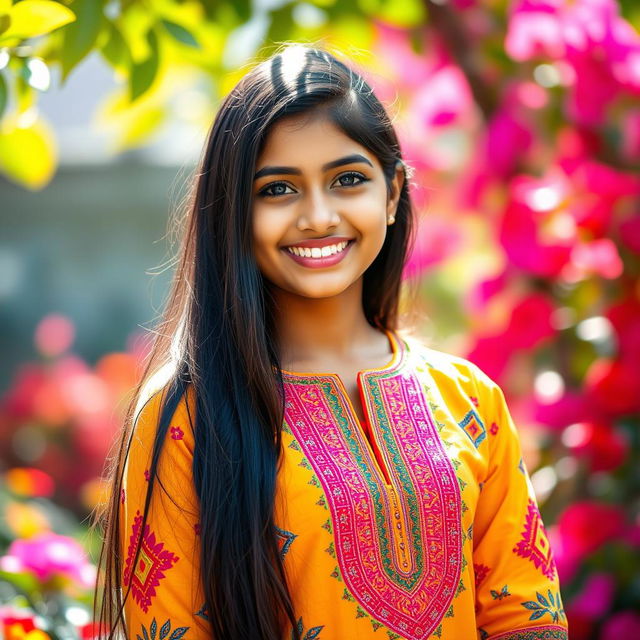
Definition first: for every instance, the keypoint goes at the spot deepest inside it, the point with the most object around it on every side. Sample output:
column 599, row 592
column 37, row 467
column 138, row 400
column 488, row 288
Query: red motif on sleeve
column 481, row 571
column 534, row 544
column 177, row 433
column 152, row 563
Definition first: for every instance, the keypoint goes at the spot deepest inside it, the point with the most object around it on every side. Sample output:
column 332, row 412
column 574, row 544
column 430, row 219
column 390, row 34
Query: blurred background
column 521, row 121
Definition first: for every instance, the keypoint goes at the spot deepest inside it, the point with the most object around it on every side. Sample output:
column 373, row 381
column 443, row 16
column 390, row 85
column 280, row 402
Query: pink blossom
column 596, row 596
column 571, row 407
column 624, row 316
column 508, row 139
column 630, row 233
column 54, row 334
column 603, row 445
column 48, row 555
column 623, row 624
column 614, row 386
column 576, row 526
column 596, row 258
column 436, row 239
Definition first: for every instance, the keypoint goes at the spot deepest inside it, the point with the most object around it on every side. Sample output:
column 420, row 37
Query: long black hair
column 218, row 334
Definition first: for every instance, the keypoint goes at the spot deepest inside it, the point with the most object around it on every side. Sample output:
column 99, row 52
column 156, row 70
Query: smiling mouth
column 318, row 252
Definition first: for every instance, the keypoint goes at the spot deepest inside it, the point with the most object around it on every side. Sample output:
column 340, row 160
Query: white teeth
column 317, row 252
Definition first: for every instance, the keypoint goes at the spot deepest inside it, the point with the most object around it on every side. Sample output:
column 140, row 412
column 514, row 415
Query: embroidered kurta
column 418, row 523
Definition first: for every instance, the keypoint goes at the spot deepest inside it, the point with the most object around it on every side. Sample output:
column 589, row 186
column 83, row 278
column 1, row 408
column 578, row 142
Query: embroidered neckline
column 398, row 352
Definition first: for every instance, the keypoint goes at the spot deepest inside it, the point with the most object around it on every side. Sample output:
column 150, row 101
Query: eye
column 350, row 179
column 275, row 189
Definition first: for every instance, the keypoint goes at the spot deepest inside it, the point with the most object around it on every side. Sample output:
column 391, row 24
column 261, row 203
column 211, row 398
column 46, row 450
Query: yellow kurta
column 420, row 523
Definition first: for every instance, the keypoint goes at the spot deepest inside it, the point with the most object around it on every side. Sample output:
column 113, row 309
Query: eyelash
column 361, row 179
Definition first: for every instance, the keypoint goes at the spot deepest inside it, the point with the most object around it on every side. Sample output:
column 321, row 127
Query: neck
column 322, row 330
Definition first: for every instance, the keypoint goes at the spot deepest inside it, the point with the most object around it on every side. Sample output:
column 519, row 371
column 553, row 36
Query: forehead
column 308, row 140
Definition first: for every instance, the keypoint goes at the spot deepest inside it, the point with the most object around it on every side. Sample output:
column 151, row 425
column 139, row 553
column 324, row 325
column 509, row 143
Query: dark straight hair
column 218, row 326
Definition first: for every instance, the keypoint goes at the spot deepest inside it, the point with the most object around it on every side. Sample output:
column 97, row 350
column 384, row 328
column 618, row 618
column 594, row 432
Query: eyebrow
column 273, row 171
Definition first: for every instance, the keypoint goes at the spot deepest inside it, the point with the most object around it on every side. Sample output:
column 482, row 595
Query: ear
column 395, row 187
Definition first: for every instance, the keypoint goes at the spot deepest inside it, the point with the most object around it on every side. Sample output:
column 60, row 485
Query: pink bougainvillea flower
column 48, row 555
column 600, row 443
column 507, row 140
column 624, row 317
column 595, row 598
column 614, row 386
column 436, row 239
column 529, row 325
column 596, row 258
column 18, row 402
column 590, row 35
column 622, row 624
column 567, row 409
column 630, row 233
column 443, row 98
column 576, row 526
column 29, row 482
column 536, row 233
column 54, row 334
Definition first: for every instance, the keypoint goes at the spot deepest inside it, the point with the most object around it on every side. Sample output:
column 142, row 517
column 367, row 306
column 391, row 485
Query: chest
column 379, row 489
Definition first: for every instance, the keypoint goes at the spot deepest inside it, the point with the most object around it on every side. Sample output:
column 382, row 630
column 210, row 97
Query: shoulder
column 156, row 401
column 448, row 367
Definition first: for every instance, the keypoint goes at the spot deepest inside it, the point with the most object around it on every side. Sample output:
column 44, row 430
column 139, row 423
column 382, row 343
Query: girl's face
column 320, row 207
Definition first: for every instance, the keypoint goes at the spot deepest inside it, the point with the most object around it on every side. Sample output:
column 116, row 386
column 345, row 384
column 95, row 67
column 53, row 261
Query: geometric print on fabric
column 152, row 563
column 534, row 544
column 472, row 425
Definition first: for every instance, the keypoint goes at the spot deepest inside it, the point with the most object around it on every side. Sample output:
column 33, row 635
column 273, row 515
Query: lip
column 319, row 242
column 320, row 263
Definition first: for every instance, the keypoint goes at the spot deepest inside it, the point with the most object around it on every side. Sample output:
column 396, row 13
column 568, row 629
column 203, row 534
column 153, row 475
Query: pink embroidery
column 474, row 400
column 399, row 550
column 534, row 544
column 177, row 433
column 493, row 429
column 481, row 571
column 147, row 475
column 152, row 563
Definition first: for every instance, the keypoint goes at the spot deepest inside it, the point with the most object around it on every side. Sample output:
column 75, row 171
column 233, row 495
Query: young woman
column 303, row 471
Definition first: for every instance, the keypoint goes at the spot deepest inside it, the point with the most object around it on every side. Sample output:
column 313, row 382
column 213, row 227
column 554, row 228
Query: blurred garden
column 521, row 122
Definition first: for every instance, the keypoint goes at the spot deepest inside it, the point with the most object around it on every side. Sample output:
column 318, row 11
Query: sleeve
column 162, row 588
column 517, row 588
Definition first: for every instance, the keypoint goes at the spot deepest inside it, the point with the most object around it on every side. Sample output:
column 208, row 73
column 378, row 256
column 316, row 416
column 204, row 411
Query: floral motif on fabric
column 500, row 594
column 165, row 632
column 473, row 426
column 545, row 605
column 177, row 433
column 152, row 563
column 284, row 539
column 398, row 545
column 480, row 571
column 311, row 634
column 534, row 544
column 547, row 632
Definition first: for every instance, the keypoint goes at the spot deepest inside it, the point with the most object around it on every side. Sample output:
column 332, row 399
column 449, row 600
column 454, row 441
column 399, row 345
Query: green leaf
column 80, row 37
column 116, row 50
column 31, row 18
column 542, row 600
column 164, row 630
column 153, row 628
column 143, row 74
column 27, row 152
column 180, row 34
column 4, row 95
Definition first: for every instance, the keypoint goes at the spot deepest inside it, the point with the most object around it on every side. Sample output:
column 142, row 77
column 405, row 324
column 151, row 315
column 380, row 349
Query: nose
column 317, row 212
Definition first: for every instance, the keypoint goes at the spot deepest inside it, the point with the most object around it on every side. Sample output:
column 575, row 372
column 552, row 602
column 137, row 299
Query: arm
column 163, row 583
column 517, row 589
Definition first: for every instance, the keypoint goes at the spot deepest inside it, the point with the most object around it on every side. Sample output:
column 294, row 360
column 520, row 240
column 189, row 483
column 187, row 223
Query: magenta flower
column 595, row 598
column 590, row 35
column 49, row 555
column 596, row 258
column 624, row 624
